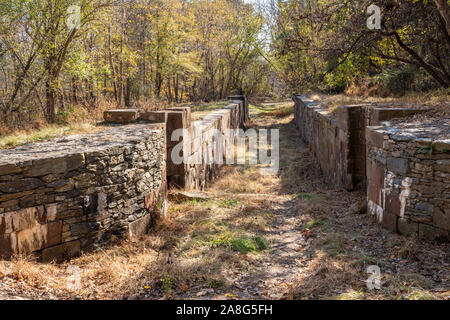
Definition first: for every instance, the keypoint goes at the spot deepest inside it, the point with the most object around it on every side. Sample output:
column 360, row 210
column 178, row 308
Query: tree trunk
column 51, row 101
column 175, row 87
column 444, row 10
column 128, row 94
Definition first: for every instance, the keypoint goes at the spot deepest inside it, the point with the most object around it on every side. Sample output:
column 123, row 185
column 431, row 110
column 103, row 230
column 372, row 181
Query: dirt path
column 292, row 236
column 252, row 236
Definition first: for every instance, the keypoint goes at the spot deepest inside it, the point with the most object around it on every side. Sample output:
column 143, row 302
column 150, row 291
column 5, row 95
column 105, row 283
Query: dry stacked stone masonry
column 66, row 195
column 200, row 147
column 409, row 177
column 405, row 169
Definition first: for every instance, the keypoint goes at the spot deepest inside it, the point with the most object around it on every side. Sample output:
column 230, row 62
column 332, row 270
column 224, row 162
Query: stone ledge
column 121, row 115
column 62, row 196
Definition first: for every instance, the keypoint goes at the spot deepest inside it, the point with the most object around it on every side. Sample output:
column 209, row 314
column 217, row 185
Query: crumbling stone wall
column 408, row 170
column 199, row 146
column 62, row 196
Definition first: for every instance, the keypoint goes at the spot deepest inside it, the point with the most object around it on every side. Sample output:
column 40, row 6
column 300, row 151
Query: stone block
column 375, row 173
column 398, row 165
column 374, row 193
column 443, row 165
column 154, row 116
column 386, row 114
column 22, row 219
column 140, row 227
column 121, row 115
column 9, row 168
column 390, row 221
column 406, row 227
column 393, row 203
column 39, row 237
column 21, row 185
column 187, row 112
column 423, row 206
column 61, row 252
column 45, row 166
column 8, row 245
column 428, row 232
column 442, row 146
column 374, row 138
column 441, row 219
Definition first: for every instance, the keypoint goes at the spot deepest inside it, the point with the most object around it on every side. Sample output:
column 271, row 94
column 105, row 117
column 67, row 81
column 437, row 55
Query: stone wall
column 198, row 145
column 208, row 142
column 63, row 196
column 405, row 170
column 336, row 141
column 408, row 169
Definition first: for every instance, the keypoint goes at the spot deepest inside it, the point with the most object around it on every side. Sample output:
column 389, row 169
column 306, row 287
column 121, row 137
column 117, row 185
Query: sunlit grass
column 47, row 133
column 200, row 110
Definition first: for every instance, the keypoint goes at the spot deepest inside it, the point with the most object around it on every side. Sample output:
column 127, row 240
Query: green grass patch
column 208, row 106
column 245, row 244
column 314, row 224
column 242, row 244
column 308, row 196
column 228, row 203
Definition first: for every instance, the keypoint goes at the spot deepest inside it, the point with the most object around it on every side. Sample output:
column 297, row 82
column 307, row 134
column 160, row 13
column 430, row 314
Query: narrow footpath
column 251, row 236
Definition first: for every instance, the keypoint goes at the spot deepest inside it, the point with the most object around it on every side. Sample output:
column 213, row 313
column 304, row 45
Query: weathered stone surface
column 21, row 220
column 121, row 115
column 20, row 185
column 61, row 252
column 407, row 227
column 386, row 114
column 39, row 237
column 43, row 167
column 442, row 146
column 154, row 116
column 71, row 197
column 443, row 165
column 398, row 165
column 441, row 219
column 8, row 245
column 431, row 233
column 423, row 206
column 375, row 138
column 9, row 169
column 140, row 227
column 393, row 203
column 416, row 185
column 390, row 221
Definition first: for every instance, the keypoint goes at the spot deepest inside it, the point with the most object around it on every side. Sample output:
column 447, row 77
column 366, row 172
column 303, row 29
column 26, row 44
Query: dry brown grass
column 184, row 251
column 196, row 247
